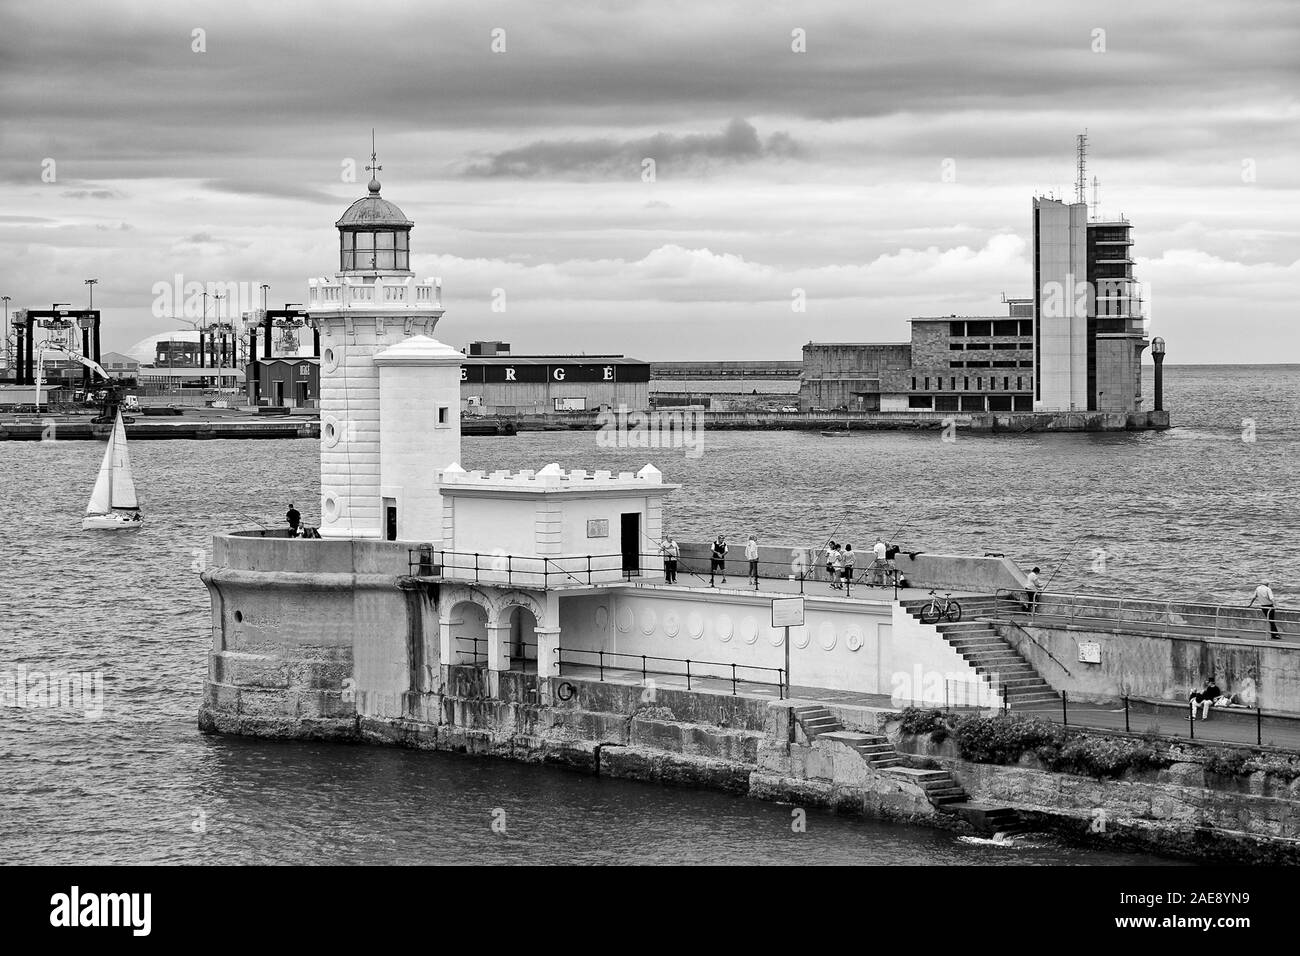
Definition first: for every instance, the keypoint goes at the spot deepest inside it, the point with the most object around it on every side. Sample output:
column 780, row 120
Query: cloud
column 737, row 142
column 270, row 189
column 92, row 194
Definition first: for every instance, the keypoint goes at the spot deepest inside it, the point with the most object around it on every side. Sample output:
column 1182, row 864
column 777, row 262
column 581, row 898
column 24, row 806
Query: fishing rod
column 1063, row 561
column 680, row 566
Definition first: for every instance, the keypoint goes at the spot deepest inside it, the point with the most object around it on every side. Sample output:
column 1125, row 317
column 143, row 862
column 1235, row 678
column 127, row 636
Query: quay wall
column 329, row 640
column 1182, row 810
column 1136, row 664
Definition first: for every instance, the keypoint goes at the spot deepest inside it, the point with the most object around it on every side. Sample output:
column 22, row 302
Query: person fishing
column 831, row 548
column 672, row 551
column 718, row 560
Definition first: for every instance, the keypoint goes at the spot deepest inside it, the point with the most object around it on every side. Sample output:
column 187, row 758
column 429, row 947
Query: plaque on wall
column 1090, row 652
column 597, row 527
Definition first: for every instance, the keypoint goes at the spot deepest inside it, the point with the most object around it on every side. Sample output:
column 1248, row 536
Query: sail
column 101, row 499
column 123, row 495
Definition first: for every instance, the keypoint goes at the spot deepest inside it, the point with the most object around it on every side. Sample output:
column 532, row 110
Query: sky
column 671, row 181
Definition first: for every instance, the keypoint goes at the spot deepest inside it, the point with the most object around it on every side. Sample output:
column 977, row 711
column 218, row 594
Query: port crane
column 112, row 391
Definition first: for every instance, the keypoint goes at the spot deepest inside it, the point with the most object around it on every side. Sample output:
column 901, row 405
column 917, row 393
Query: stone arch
column 467, row 632
column 506, row 600
column 448, row 600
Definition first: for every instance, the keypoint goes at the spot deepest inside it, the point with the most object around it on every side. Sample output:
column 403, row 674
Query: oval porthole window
column 239, row 617
column 329, row 360
column 331, row 508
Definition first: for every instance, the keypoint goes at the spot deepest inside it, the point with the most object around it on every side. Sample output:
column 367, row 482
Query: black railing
column 511, row 644
column 605, row 658
column 1166, row 718
column 537, row 571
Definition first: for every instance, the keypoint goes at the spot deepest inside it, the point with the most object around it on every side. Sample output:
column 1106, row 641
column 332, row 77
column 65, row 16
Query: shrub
column 1103, row 756
column 917, row 720
column 1004, row 739
column 1275, row 765
column 1225, row 760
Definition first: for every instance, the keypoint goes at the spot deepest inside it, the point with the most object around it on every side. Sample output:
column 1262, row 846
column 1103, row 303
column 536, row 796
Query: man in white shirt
column 836, row 558
column 671, row 553
column 1267, row 604
column 1035, row 588
column 878, row 566
column 751, row 555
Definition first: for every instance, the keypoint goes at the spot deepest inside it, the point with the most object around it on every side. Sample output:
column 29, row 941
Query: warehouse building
column 504, row 384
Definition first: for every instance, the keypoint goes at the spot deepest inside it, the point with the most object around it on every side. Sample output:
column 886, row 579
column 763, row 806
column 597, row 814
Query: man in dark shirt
column 293, row 518
column 1205, row 697
column 718, row 560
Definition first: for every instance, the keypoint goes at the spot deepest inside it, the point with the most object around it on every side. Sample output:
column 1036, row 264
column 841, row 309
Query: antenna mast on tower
column 1081, row 184
column 1096, row 186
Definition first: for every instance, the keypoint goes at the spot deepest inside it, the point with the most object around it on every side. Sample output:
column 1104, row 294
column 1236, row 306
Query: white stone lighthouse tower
column 386, row 423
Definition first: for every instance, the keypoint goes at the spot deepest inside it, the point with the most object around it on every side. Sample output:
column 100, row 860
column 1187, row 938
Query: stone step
column 881, row 764
column 947, row 798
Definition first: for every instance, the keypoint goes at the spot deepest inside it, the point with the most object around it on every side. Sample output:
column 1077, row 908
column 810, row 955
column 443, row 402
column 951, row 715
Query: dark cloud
column 271, row 189
column 91, row 194
column 738, row 142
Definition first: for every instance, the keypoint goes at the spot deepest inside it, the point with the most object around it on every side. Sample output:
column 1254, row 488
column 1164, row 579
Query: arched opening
column 469, row 634
column 523, row 639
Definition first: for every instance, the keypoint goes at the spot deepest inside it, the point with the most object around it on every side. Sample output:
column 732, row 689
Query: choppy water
column 1195, row 511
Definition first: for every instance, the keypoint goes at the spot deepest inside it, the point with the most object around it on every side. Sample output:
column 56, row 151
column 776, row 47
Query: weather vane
column 374, row 167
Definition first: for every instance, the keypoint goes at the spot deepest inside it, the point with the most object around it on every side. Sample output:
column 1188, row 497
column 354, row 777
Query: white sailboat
column 113, row 504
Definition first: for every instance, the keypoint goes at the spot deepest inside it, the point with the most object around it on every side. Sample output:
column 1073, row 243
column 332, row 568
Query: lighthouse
column 389, row 391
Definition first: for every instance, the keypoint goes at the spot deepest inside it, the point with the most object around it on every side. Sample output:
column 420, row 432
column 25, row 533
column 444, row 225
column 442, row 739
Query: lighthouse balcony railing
column 387, row 290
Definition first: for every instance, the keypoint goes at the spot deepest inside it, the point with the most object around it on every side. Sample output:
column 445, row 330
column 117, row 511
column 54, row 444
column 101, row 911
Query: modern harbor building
column 1074, row 345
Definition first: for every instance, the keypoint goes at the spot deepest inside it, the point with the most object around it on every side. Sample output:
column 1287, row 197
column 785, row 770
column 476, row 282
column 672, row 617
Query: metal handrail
column 646, row 671
column 1193, row 617
column 476, row 641
column 1032, row 640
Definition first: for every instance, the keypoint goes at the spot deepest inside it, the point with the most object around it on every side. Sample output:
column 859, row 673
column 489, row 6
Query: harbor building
column 1074, row 345
column 498, row 383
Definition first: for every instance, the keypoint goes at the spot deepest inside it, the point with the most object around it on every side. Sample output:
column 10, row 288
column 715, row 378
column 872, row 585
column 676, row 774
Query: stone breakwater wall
column 1182, row 810
column 754, row 747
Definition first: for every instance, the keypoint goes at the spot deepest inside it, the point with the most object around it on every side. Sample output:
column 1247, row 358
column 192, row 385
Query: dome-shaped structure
column 373, row 210
column 374, row 235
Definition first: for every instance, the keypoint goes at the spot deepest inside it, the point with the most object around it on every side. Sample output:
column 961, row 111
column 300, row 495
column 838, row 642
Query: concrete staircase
column 994, row 659
column 940, row 786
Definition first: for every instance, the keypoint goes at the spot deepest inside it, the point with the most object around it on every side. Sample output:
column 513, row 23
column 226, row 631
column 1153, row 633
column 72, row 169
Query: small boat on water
column 113, row 505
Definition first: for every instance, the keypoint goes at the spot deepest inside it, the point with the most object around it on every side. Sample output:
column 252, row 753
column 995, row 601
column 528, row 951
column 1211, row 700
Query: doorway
column 279, row 393
column 630, row 534
column 390, row 520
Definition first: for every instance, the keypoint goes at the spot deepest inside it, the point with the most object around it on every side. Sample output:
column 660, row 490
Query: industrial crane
column 112, row 392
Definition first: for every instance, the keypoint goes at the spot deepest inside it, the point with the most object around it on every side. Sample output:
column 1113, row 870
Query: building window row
column 992, row 327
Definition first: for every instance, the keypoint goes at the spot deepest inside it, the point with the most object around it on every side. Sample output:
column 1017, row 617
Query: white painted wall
column 416, row 378
column 349, row 415
column 893, row 653
column 1062, row 339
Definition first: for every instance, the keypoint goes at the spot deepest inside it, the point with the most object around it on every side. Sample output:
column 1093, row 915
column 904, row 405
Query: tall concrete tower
column 372, row 304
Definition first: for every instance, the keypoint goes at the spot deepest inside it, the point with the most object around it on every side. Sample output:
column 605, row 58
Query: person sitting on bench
column 1208, row 695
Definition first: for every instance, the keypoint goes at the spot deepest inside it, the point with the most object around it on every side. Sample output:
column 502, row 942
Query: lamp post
column 216, row 331
column 1158, row 356
column 85, row 334
column 4, row 343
